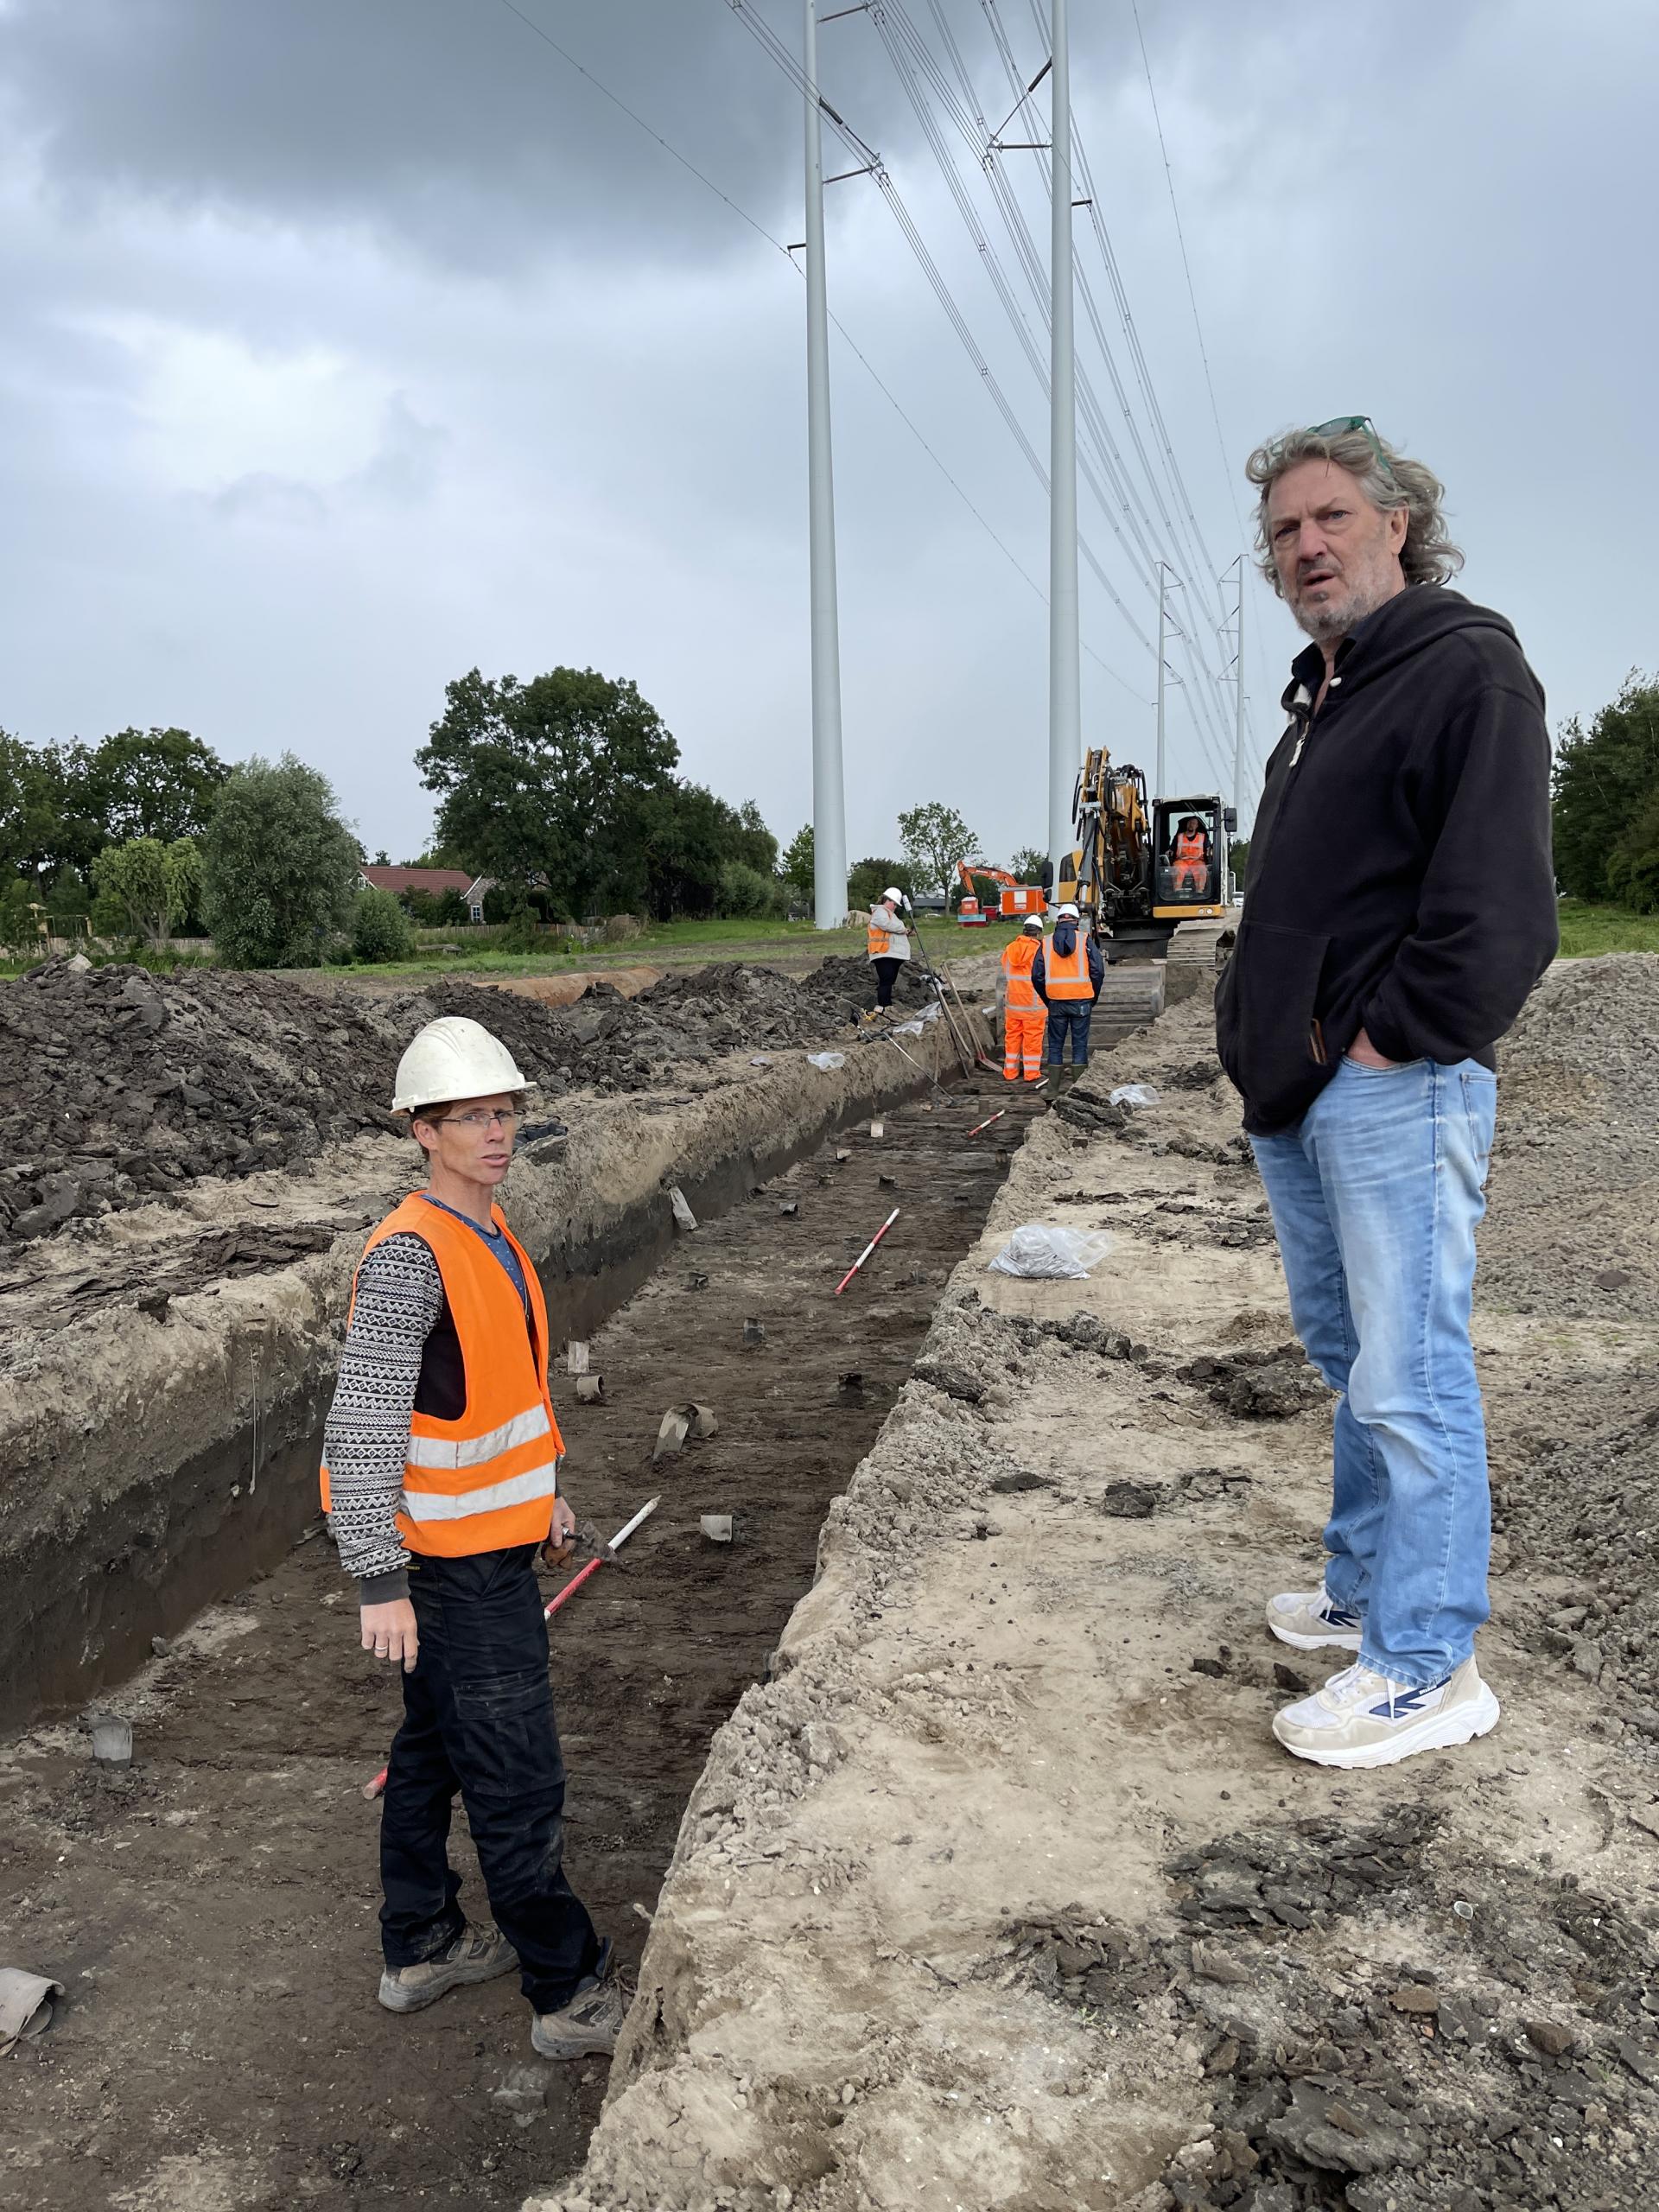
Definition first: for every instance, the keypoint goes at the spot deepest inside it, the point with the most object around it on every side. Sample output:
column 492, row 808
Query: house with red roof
column 433, row 880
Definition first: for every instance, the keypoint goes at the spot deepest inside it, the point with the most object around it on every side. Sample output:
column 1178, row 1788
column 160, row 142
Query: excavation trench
column 212, row 1911
column 121, row 1533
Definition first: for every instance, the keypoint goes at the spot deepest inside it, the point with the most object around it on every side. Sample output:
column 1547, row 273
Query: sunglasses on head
column 1339, row 425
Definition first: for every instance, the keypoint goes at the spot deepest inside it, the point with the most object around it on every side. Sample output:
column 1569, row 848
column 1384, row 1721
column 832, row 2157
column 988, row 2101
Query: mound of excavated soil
column 1575, row 1169
column 116, row 1084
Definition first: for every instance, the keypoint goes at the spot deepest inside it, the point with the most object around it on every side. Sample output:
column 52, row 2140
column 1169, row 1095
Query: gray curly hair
column 1389, row 480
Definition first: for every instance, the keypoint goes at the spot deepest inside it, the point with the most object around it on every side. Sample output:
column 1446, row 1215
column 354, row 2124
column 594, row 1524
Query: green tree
column 744, row 891
column 1606, row 778
column 1028, row 864
column 867, row 879
column 381, row 929
column 278, row 867
column 798, row 862
column 547, row 782
column 49, row 814
column 153, row 782
column 935, row 838
column 135, row 890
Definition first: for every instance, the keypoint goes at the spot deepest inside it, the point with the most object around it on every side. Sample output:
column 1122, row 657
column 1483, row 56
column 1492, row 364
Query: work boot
column 588, row 2024
column 476, row 1954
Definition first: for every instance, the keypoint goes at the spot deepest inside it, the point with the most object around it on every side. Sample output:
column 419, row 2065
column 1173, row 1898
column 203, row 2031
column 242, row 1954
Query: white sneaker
column 1362, row 1719
column 1306, row 1619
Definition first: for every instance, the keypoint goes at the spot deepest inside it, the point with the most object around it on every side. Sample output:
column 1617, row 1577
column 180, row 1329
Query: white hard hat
column 894, row 894
column 1068, row 913
column 454, row 1058
column 1035, row 922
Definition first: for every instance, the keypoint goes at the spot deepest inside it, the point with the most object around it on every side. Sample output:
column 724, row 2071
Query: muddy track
column 211, row 1912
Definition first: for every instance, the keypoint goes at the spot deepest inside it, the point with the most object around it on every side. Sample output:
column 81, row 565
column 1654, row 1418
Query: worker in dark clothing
column 1401, row 906
column 1066, row 975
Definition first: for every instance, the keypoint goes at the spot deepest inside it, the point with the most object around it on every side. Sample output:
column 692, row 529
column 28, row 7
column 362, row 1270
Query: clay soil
column 212, row 1911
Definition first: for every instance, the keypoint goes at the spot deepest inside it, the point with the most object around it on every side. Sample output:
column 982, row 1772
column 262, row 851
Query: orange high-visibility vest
column 485, row 1481
column 1066, row 975
column 884, row 941
column 1189, row 850
column 1017, row 959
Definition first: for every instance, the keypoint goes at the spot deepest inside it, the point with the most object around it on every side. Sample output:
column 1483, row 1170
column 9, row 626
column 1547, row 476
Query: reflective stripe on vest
column 1066, row 974
column 484, row 1481
column 886, row 944
column 1017, row 961
column 1189, row 850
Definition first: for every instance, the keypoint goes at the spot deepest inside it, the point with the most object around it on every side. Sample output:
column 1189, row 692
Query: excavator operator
column 1189, row 858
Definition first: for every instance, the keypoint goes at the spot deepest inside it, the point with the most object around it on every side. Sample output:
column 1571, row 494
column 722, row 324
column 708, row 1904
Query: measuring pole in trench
column 866, row 1253
column 374, row 1790
column 965, row 1051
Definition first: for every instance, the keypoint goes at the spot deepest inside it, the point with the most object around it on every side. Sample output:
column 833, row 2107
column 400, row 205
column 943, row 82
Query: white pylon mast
column 1238, row 704
column 1162, row 581
column 1064, row 678
column 829, row 794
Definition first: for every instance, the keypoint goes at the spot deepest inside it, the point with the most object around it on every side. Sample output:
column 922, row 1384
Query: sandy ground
column 1000, row 1893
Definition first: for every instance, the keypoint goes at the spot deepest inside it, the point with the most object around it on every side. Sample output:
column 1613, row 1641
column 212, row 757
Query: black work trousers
column 478, row 1718
column 886, row 974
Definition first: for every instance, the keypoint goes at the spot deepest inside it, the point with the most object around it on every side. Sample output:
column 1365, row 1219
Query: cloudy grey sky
column 350, row 343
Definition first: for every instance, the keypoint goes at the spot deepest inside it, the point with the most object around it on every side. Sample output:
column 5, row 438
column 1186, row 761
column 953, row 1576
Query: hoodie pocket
column 1269, row 1039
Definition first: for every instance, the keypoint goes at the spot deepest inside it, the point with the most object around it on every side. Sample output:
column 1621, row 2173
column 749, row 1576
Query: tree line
column 565, row 791
column 1606, row 801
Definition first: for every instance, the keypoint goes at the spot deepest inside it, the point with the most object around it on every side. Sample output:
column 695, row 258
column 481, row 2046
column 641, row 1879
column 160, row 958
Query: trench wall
column 151, row 1466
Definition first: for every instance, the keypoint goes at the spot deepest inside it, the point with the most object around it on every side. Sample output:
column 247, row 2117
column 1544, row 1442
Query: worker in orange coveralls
column 1024, row 1015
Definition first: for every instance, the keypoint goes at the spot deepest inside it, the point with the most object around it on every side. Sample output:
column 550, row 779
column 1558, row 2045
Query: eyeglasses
column 478, row 1119
column 1340, row 425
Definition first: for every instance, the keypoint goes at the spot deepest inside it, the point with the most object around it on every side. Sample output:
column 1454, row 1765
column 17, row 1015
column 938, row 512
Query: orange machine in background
column 1018, row 899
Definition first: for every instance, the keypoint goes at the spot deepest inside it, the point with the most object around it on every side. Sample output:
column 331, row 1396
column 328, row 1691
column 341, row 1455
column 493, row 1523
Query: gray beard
column 1326, row 624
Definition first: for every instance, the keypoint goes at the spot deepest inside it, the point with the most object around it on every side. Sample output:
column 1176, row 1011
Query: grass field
column 1586, row 930
column 662, row 944
column 689, row 944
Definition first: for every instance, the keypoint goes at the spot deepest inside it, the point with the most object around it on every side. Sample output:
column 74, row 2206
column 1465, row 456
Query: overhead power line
column 1186, row 267
column 777, row 52
column 760, row 231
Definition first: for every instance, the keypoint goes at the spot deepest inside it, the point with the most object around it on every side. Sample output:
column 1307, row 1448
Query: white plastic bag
column 1043, row 1253
column 906, row 1029
column 826, row 1060
column 1136, row 1094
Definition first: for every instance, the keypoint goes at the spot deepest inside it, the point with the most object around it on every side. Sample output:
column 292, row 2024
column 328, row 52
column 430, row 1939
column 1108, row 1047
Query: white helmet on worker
column 1034, row 922
column 893, row 895
column 454, row 1058
column 1068, row 913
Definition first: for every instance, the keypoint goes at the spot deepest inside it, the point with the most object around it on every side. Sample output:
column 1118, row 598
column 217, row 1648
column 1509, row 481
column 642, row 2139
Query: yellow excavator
column 1141, row 867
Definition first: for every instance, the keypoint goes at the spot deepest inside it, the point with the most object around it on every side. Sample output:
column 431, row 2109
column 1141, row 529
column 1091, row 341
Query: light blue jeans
column 1376, row 1196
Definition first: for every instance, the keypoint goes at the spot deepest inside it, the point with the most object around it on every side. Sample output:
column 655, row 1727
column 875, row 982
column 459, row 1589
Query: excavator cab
column 1141, row 866
column 1191, row 838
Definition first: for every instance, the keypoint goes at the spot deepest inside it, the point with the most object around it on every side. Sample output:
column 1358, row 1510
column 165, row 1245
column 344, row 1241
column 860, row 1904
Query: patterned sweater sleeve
column 365, row 1443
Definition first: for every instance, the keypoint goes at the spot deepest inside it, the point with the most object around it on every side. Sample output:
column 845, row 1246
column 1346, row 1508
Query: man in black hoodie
column 1399, row 908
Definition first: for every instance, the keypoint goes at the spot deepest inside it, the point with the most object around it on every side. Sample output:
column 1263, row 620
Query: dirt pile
column 1575, row 1169
column 116, row 1084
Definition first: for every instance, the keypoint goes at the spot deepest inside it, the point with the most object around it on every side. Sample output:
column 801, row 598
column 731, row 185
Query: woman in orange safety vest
column 886, row 943
column 442, row 1482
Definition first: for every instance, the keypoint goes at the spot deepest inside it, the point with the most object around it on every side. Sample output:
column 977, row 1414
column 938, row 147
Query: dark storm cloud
column 445, row 124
